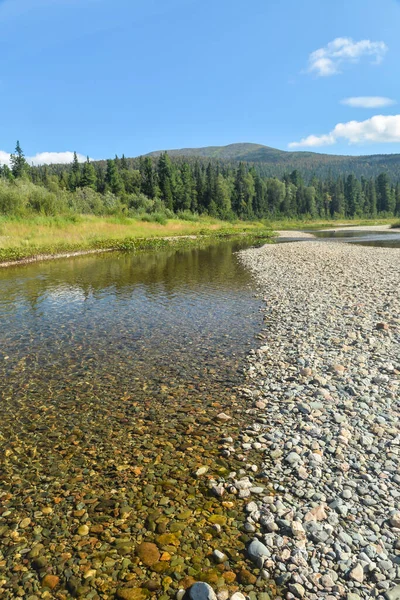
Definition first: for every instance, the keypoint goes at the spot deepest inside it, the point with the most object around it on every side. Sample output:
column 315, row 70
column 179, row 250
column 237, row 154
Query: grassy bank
column 27, row 237
column 23, row 238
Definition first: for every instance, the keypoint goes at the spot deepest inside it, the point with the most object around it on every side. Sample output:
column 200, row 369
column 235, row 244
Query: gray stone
column 257, row 552
column 201, row 591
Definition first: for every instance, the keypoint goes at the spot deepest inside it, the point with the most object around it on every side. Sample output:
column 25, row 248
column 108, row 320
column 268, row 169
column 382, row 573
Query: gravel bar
column 323, row 390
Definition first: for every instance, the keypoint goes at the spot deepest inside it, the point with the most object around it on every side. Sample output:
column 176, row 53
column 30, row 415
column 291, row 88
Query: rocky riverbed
column 323, row 390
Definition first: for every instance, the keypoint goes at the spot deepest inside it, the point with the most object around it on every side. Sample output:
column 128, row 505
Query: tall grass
column 21, row 237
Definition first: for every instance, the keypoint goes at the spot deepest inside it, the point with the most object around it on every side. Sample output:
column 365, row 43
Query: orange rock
column 165, row 556
column 50, row 581
column 148, row 553
column 229, row 576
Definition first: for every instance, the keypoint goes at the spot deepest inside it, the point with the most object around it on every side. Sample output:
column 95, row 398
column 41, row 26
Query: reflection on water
column 165, row 314
column 378, row 239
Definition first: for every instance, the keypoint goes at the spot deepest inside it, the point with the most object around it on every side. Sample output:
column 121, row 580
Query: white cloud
column 380, row 128
column 4, row 158
column 49, row 158
column 313, row 140
column 327, row 61
column 368, row 101
column 44, row 158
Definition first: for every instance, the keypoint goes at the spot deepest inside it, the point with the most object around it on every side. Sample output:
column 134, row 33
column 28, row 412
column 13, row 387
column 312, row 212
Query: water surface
column 113, row 369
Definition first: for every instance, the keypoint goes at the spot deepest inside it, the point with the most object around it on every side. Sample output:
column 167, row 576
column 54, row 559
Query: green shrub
column 155, row 218
column 186, row 215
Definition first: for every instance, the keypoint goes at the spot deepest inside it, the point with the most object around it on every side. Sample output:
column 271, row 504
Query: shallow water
column 377, row 239
column 161, row 315
column 113, row 369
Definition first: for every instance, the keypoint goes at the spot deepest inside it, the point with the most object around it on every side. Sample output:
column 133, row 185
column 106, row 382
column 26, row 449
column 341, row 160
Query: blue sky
column 131, row 76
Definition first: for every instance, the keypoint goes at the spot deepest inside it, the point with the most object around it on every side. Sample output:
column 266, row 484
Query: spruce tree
column 74, row 178
column 149, row 186
column 165, row 180
column 88, row 178
column 124, row 163
column 18, row 163
column 113, row 178
column 383, row 193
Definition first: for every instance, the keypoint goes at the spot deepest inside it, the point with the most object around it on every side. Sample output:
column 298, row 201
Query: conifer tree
column 165, row 180
column 383, row 193
column 124, row 163
column 149, row 186
column 18, row 163
column 88, row 178
column 74, row 174
column 113, row 178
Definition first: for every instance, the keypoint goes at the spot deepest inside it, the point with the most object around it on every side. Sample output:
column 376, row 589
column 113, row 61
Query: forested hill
column 274, row 162
column 161, row 186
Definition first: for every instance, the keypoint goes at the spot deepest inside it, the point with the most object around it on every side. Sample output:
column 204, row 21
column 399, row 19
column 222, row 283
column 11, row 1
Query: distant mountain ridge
column 277, row 161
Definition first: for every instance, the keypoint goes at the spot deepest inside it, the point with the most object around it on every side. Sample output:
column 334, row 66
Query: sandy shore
column 324, row 393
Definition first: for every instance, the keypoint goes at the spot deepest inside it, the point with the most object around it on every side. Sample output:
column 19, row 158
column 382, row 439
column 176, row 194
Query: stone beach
column 323, row 390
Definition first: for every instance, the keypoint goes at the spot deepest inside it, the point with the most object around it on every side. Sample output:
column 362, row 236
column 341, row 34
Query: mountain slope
column 277, row 162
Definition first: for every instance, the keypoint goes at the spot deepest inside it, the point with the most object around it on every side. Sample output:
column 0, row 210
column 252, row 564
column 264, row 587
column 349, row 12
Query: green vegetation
column 22, row 237
column 162, row 187
column 113, row 204
column 396, row 225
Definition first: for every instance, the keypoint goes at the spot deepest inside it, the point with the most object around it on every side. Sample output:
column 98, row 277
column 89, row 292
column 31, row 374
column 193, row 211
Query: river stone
column 258, row 552
column 297, row 590
column 148, row 553
column 223, row 417
column 219, row 556
column 395, row 520
column 50, row 581
column 201, row 471
column 83, row 530
column 393, row 594
column 201, row 591
column 132, row 594
column 357, row 573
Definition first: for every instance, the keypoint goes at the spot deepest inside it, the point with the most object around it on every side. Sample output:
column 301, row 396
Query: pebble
column 202, row 591
column 328, row 374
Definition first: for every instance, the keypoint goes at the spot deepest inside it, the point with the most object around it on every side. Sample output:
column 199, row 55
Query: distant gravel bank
column 365, row 228
column 324, row 391
column 295, row 234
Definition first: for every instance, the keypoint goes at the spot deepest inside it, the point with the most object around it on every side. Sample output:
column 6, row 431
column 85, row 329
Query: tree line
column 189, row 185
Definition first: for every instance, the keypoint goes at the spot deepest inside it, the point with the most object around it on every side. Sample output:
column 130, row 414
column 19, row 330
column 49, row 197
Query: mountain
column 272, row 161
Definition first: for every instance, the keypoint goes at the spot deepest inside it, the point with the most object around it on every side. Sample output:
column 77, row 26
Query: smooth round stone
column 201, row 591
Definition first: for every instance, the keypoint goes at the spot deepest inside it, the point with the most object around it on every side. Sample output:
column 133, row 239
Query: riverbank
column 41, row 238
column 307, row 224
column 34, row 238
column 323, row 390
